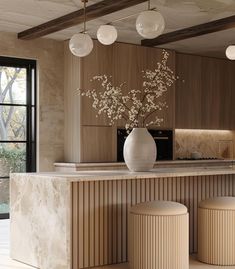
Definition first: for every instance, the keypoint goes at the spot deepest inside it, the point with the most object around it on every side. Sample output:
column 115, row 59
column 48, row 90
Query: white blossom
column 137, row 107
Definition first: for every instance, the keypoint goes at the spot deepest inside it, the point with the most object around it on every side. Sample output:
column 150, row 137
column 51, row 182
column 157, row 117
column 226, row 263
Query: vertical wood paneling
column 97, row 223
column 133, row 192
column 124, row 219
column 152, row 190
column 182, row 191
column 106, row 223
column 101, row 206
column 119, row 221
column 86, row 225
column 110, row 223
column 203, row 193
column 233, row 185
column 91, row 224
column 174, row 192
column 129, row 202
column 191, row 216
column 161, row 189
column 100, row 212
column 230, row 185
column 138, row 191
column 178, row 190
column 195, row 206
column 147, row 190
column 114, row 221
column 75, row 232
column 142, row 190
column 80, row 190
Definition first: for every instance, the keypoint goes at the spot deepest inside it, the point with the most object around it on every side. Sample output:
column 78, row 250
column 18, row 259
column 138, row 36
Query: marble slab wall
column 50, row 66
column 211, row 143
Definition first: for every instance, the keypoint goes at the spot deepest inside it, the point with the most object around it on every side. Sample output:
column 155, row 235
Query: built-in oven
column 162, row 138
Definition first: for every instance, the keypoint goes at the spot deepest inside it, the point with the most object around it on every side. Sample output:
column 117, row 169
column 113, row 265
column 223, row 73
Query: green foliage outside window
column 14, row 158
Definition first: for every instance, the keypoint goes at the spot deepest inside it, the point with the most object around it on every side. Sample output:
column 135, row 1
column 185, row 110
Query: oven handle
column 155, row 137
column 160, row 138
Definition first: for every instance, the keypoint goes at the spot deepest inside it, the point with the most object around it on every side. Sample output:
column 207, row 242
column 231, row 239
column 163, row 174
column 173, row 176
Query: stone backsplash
column 210, row 143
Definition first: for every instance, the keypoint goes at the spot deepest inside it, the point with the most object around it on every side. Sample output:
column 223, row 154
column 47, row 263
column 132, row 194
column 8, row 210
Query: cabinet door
column 211, row 87
column 99, row 62
column 227, row 96
column 154, row 55
column 232, row 93
column 98, row 144
column 227, row 69
column 129, row 62
column 188, row 91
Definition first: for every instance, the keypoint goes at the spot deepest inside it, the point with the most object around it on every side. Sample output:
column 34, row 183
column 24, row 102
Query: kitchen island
column 79, row 219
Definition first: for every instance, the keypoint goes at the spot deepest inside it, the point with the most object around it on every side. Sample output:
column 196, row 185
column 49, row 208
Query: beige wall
column 50, row 63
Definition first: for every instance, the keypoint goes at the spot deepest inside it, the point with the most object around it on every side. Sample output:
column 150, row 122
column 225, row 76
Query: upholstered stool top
column 159, row 208
column 220, row 203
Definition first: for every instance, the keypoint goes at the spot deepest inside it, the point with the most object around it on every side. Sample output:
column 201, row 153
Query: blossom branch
column 138, row 105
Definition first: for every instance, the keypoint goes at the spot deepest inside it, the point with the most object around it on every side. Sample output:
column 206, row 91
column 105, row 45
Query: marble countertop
column 73, row 164
column 97, row 175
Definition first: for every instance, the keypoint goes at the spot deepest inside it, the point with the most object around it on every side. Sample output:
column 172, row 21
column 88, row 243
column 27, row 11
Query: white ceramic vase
column 140, row 150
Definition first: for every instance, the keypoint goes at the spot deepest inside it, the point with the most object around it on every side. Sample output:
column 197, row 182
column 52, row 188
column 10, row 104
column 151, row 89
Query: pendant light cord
column 84, row 30
column 149, row 4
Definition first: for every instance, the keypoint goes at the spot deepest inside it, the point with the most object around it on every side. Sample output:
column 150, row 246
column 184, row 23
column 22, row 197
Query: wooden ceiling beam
column 94, row 11
column 194, row 31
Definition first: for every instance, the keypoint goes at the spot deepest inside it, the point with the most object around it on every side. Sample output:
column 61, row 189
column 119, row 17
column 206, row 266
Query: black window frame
column 31, row 111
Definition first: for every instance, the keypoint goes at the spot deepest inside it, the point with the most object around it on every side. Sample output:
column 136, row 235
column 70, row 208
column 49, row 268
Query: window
column 17, row 122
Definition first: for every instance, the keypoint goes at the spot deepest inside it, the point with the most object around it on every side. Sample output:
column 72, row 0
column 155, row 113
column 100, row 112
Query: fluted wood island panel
column 100, row 211
column 79, row 220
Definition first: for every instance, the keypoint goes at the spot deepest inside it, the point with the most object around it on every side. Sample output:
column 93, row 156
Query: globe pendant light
column 230, row 52
column 107, row 34
column 150, row 24
column 81, row 44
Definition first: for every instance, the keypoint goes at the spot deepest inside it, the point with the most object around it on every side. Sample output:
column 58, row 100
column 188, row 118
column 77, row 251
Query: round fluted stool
column 158, row 236
column 216, row 231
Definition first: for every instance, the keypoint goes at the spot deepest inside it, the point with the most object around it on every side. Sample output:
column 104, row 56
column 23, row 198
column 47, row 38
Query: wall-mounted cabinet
column 204, row 97
column 188, row 108
column 124, row 62
column 99, row 62
column 204, row 93
column 98, row 144
column 129, row 62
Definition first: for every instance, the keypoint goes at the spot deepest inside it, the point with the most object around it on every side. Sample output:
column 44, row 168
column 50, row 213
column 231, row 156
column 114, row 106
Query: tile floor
column 7, row 263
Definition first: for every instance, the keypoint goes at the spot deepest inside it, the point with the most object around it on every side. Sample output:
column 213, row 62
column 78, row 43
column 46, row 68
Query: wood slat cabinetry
column 227, row 96
column 98, row 144
column 99, row 62
column 100, row 212
column 203, row 97
column 204, row 92
column 129, row 62
column 188, row 91
column 124, row 62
